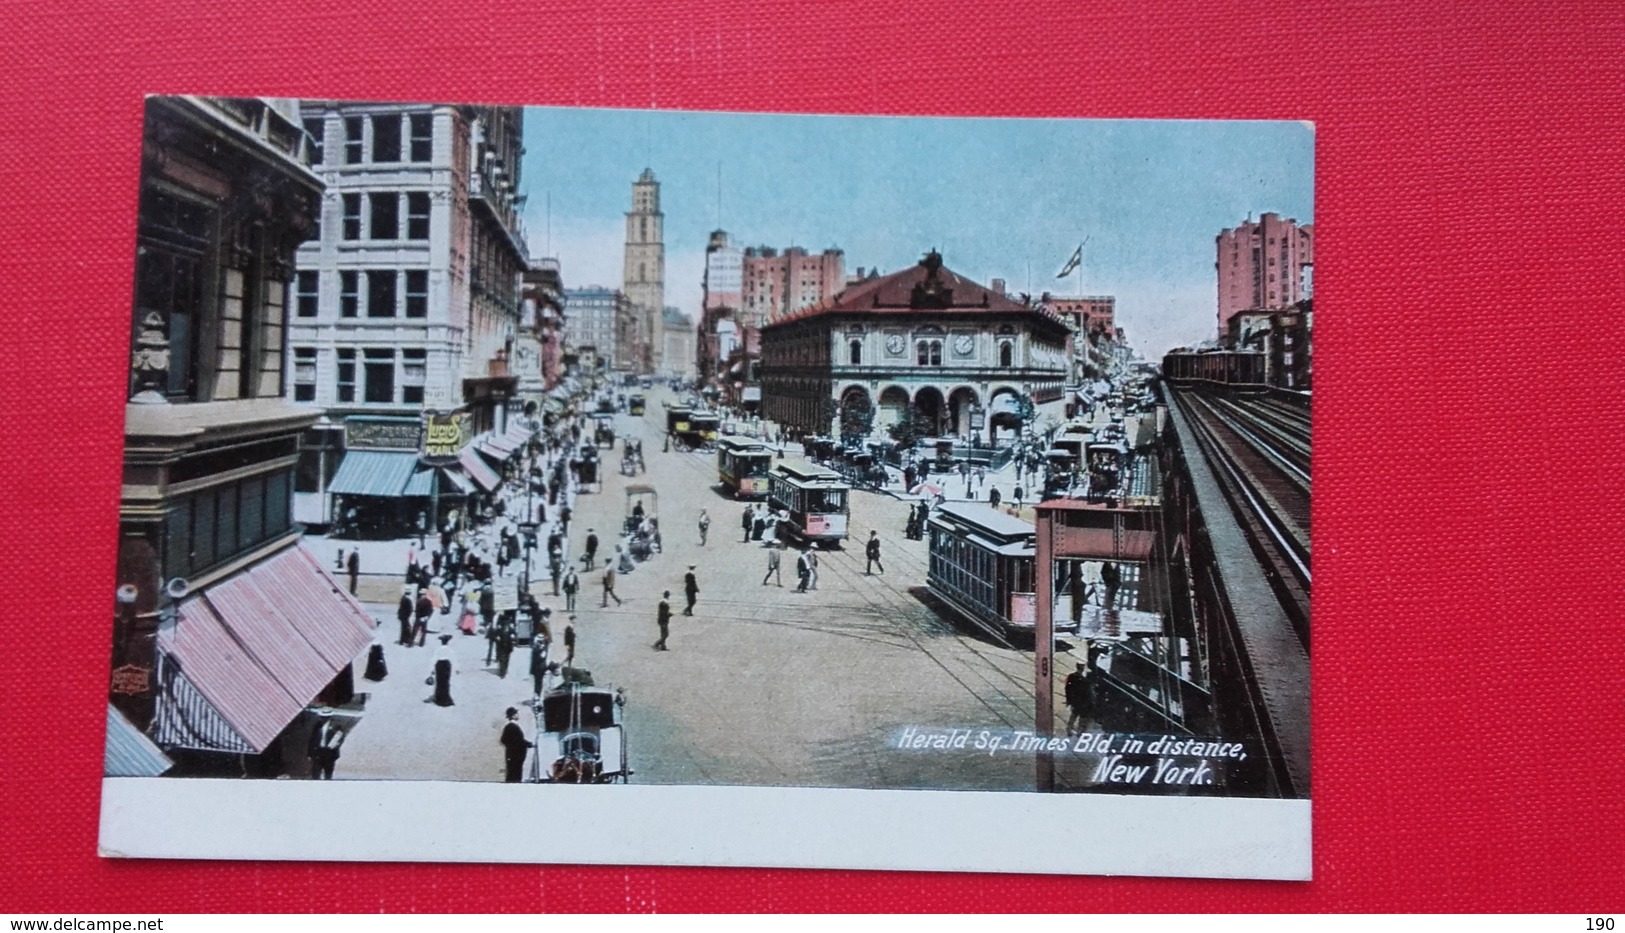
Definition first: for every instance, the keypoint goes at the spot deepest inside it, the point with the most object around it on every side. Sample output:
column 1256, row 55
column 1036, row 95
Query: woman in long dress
column 442, row 672
column 469, row 622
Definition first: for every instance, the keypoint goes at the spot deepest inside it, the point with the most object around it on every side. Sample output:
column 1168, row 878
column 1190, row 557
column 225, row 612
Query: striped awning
column 245, row 656
column 421, row 485
column 477, row 470
column 129, row 753
column 374, row 473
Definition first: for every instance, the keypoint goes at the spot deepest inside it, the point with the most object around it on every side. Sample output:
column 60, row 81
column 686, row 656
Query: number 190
column 1599, row 923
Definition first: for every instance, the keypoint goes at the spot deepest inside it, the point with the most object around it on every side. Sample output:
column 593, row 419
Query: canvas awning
column 374, row 473
column 129, row 753
column 245, row 656
column 476, row 469
column 421, row 485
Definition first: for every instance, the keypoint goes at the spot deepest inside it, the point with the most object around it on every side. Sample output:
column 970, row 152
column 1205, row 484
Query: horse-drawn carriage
column 580, row 730
column 603, row 431
column 692, row 429
column 642, row 525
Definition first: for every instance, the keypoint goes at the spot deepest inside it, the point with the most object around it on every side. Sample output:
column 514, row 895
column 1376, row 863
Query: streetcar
column 1060, row 470
column 816, row 498
column 981, row 564
column 742, row 466
column 635, row 405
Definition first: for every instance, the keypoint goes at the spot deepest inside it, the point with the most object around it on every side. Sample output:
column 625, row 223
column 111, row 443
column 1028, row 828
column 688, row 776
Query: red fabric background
column 1468, row 638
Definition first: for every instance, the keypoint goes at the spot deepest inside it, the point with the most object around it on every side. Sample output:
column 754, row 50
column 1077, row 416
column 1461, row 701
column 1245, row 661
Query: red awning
column 262, row 644
column 478, row 471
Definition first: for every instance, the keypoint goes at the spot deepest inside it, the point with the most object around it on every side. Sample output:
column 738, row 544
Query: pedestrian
column 376, row 668
column 981, row 476
column 323, row 747
column 812, row 568
column 468, row 619
column 570, row 641
column 514, row 746
column 1017, row 498
column 404, row 614
column 353, row 565
column 609, row 584
column 564, row 519
column 745, row 521
column 1112, row 578
column 538, row 662
column 571, row 586
column 423, row 529
column 441, row 678
column 772, row 563
column 504, row 639
column 691, row 590
column 502, row 554
column 1079, row 700
column 590, row 556
column 422, row 609
column 705, row 525
column 488, row 606
column 338, row 562
column 554, row 565
column 663, row 619
column 803, row 573
column 871, row 553
column 434, row 564
column 993, row 497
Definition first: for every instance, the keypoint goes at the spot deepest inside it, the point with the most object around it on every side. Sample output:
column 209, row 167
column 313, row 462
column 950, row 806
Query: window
column 352, row 140
column 414, row 373
column 854, row 353
column 417, row 293
column 349, row 294
column 352, row 217
column 315, row 128
column 1007, row 354
column 422, row 136
column 346, row 391
column 304, row 374
column 381, row 293
column 928, row 353
column 307, row 292
column 386, row 210
column 380, row 376
column 417, row 215
column 386, row 138
column 172, row 285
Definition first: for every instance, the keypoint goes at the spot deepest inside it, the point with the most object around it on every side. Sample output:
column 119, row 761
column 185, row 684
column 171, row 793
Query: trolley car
column 981, row 564
column 817, row 499
column 635, row 405
column 742, row 466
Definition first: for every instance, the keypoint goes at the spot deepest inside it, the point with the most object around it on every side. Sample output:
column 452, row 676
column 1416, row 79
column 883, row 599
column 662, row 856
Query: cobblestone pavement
column 762, row 685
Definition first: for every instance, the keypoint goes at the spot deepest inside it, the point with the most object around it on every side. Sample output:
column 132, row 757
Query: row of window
column 381, row 370
column 929, row 353
column 392, row 136
column 383, row 216
column 214, row 525
column 388, row 293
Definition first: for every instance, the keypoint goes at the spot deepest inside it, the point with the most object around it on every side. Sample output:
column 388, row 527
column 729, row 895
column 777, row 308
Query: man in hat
column 571, row 585
column 570, row 641
column 663, row 619
column 705, row 525
column 803, row 572
column 514, row 746
column 353, row 565
column 691, row 590
column 871, row 553
column 772, row 563
column 422, row 610
column 323, row 749
column 747, row 520
column 538, row 654
column 590, row 555
column 403, row 612
column 609, row 584
column 812, row 568
column 1079, row 700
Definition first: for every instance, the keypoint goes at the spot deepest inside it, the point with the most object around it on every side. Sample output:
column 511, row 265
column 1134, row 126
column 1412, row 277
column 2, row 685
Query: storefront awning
column 421, row 485
column 374, row 473
column 129, row 753
column 475, row 469
column 245, row 656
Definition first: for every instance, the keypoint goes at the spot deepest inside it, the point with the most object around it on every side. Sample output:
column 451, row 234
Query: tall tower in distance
column 1261, row 265
column 644, row 280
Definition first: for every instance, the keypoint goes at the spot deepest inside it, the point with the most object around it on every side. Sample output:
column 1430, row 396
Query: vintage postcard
column 713, row 488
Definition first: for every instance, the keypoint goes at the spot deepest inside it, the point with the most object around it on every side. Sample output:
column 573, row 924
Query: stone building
column 539, row 347
column 225, row 628
column 597, row 322
column 644, row 279
column 957, row 355
column 677, row 353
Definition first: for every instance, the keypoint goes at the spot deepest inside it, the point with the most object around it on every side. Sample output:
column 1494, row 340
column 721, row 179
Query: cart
column 641, row 501
column 635, row 405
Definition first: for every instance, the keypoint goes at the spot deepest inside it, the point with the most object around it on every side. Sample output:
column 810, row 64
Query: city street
column 763, row 685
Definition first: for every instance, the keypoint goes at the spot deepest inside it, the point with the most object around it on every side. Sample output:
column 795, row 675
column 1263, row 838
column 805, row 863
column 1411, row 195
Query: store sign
column 364, row 433
column 445, row 434
column 131, row 680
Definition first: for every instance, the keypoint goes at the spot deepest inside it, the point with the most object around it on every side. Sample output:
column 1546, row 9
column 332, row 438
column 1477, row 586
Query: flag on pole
column 1077, row 258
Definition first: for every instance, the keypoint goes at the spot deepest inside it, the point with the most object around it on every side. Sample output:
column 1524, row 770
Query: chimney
column 998, row 286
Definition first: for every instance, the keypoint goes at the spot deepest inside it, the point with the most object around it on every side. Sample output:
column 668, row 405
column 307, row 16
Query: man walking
column 423, row 609
column 803, row 572
column 691, row 590
column 325, row 740
column 353, row 565
column 570, row 641
column 1079, row 700
column 746, row 520
column 812, row 568
column 871, row 553
column 514, row 747
column 705, row 525
column 404, row 613
column 663, row 619
column 571, row 585
column 609, row 584
column 590, row 556
column 772, row 563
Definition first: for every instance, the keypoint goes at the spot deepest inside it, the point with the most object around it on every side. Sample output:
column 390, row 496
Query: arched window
column 928, row 353
column 1007, row 354
column 854, row 351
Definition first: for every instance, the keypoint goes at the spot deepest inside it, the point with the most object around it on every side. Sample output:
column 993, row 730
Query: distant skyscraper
column 776, row 284
column 1261, row 265
column 644, row 280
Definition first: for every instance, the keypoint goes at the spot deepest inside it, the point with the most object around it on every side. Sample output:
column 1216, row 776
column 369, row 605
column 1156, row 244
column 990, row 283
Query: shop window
column 417, row 215
column 380, row 376
column 306, row 292
column 386, row 138
column 417, row 293
column 304, row 374
column 349, row 293
column 414, row 374
column 422, row 125
column 352, row 140
column 386, row 215
column 346, row 375
column 381, row 293
column 352, row 216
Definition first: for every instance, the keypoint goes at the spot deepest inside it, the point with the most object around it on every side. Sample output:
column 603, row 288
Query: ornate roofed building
column 959, row 355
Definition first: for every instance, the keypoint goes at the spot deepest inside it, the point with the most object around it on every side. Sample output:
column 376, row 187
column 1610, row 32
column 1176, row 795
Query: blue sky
column 996, row 196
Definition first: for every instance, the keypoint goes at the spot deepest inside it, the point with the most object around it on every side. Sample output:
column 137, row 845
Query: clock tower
column 644, row 277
